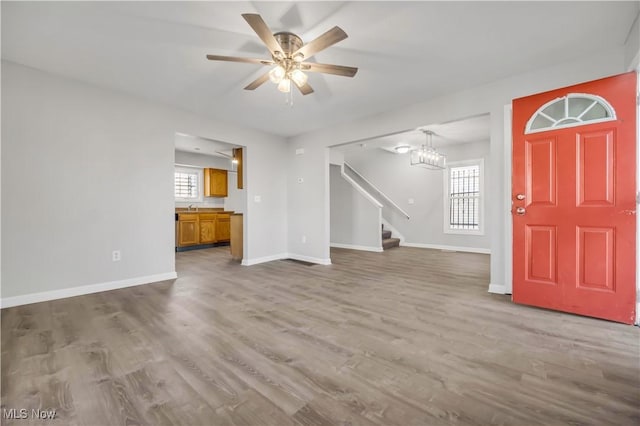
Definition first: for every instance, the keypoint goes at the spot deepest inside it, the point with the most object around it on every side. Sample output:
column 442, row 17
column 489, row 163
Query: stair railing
column 388, row 200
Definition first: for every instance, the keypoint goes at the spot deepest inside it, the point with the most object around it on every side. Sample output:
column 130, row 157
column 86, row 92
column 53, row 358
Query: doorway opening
column 375, row 191
column 209, row 193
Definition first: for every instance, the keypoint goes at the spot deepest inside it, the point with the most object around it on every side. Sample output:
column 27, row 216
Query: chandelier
column 427, row 156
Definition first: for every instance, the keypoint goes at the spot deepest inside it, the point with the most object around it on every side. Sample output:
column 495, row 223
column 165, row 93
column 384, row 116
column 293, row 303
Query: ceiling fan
column 288, row 54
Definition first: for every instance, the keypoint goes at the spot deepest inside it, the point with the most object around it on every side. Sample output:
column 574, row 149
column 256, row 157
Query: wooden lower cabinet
column 208, row 228
column 223, row 228
column 188, row 230
column 202, row 228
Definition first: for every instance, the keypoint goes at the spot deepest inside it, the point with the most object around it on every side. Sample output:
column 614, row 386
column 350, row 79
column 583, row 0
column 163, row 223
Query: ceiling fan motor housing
column 289, row 43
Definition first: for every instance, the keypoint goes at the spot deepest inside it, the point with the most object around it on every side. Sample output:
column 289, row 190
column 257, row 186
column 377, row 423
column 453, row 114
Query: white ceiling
column 406, row 52
column 469, row 130
column 198, row 145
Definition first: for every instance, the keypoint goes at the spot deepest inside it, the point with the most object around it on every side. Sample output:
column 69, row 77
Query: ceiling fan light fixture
column 402, row 149
column 299, row 77
column 285, row 85
column 277, row 74
column 298, row 57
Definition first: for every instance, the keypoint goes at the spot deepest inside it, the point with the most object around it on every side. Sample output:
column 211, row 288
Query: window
column 574, row 109
column 187, row 184
column 463, row 198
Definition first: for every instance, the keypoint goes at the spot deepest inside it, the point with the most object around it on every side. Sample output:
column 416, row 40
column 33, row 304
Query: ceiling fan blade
column 237, row 59
column 323, row 41
column 305, row 89
column 260, row 27
column 330, row 69
column 257, row 82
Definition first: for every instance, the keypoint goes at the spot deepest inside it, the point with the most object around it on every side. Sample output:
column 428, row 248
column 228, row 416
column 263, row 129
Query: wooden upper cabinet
column 237, row 155
column 223, row 227
column 215, row 183
column 207, row 228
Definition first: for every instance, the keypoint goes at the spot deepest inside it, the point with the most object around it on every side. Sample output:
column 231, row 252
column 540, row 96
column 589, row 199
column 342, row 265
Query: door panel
column 541, row 172
column 596, row 260
column 541, row 254
column 574, row 226
column 596, row 163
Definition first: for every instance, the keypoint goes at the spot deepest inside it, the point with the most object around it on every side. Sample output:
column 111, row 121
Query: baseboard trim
column 303, row 258
column 45, row 296
column 497, row 289
column 451, row 248
column 356, row 247
column 265, row 259
column 256, row 261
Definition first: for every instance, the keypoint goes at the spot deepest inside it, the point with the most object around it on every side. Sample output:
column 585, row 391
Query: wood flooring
column 405, row 337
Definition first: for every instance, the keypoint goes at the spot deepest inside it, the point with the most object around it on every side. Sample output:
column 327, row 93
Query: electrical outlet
column 115, row 256
column 411, row 201
column 257, row 199
column 299, row 151
column 304, row 239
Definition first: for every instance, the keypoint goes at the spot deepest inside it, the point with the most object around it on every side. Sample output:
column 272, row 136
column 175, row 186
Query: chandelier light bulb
column 277, row 74
column 299, row 77
column 285, row 85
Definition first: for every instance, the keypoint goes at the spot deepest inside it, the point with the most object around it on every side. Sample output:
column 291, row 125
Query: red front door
column 574, row 199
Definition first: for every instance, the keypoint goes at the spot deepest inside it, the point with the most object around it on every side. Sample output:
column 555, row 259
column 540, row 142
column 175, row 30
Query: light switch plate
column 299, row 151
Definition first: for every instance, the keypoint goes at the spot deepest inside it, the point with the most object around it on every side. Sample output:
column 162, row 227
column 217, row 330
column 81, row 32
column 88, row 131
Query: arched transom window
column 574, row 109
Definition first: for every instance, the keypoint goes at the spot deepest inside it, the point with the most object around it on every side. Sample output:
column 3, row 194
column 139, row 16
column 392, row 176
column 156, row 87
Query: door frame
column 508, row 230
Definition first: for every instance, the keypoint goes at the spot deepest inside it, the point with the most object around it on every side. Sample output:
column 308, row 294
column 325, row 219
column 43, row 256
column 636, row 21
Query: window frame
column 190, row 170
column 597, row 100
column 447, row 197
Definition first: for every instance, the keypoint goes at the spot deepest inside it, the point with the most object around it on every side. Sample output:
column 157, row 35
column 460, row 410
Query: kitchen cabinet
column 215, row 183
column 207, row 228
column 223, row 228
column 204, row 229
column 188, row 230
column 236, row 236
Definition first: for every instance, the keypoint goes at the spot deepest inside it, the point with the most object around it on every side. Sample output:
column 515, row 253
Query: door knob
column 520, row 211
column 520, row 197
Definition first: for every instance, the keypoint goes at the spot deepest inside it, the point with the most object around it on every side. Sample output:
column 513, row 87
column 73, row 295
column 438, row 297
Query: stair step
column 386, row 234
column 388, row 243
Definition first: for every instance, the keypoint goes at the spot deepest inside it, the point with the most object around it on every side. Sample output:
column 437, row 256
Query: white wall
column 86, row 171
column 489, row 98
column 355, row 221
column 308, row 202
column 400, row 181
column 632, row 47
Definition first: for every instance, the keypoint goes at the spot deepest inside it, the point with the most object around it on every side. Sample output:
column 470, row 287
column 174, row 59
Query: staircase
column 387, row 241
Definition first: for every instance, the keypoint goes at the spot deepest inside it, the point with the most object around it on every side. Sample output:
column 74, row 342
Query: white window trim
column 191, row 169
column 447, row 198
